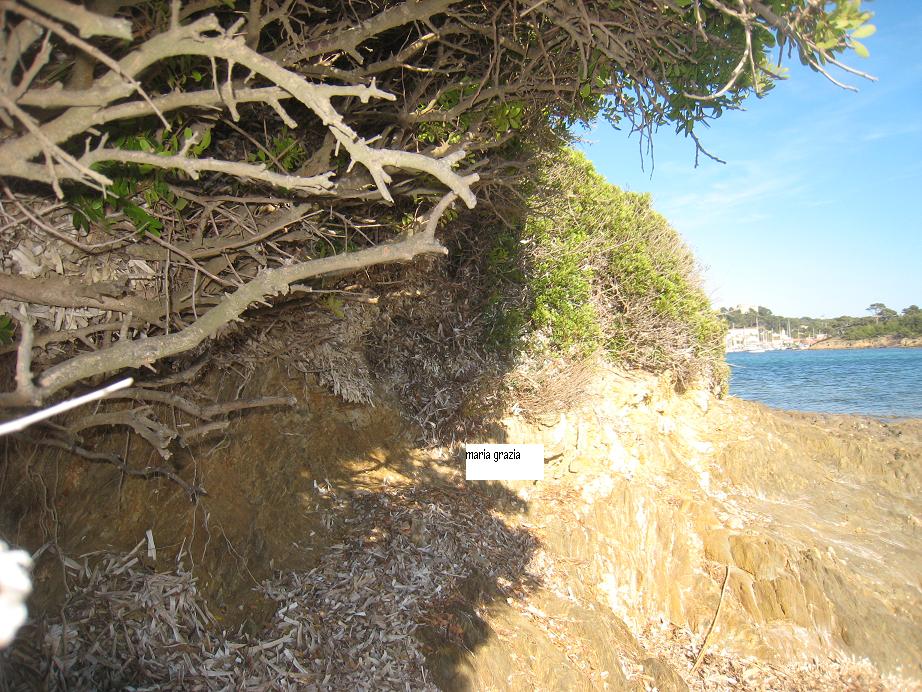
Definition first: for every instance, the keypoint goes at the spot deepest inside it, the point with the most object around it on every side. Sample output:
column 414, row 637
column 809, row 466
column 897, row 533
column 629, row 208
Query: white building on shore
column 743, row 339
column 756, row 339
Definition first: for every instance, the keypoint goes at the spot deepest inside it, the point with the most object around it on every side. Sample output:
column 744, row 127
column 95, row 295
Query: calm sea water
column 885, row 382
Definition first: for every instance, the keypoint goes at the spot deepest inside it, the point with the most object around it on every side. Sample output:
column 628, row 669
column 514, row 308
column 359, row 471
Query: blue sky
column 818, row 210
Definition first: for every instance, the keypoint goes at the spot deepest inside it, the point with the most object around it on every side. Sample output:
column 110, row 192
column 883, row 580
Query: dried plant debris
column 725, row 670
column 122, row 625
column 406, row 559
column 340, row 358
column 354, row 616
column 326, row 342
column 430, row 348
column 347, row 624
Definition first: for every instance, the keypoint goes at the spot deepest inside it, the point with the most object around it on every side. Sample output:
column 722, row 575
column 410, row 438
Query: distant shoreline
column 877, row 342
column 869, row 382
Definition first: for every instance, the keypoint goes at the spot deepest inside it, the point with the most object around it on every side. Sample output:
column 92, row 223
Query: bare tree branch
column 194, row 492
column 88, row 23
column 193, row 167
column 54, row 290
column 25, row 388
column 268, row 283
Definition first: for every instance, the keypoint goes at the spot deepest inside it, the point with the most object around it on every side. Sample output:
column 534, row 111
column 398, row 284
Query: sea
column 879, row 382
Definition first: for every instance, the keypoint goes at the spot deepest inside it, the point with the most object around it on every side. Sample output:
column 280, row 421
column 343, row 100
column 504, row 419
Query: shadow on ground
column 328, row 502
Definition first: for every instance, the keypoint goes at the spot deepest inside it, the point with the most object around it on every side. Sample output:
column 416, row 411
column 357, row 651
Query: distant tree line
column 883, row 321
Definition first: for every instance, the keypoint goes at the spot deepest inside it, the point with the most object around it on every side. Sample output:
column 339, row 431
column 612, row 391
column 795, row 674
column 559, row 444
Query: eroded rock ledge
column 876, row 342
column 332, row 552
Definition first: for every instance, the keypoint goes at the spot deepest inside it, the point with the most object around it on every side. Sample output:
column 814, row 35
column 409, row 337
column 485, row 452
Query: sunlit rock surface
column 337, row 553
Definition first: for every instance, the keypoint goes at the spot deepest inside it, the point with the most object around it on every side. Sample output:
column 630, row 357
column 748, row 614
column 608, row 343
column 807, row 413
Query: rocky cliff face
column 804, row 528
column 775, row 550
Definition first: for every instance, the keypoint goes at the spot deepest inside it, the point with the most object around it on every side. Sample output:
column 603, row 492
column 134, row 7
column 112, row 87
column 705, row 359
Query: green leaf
column 196, row 75
column 864, row 31
column 203, row 145
column 861, row 49
column 142, row 220
column 585, row 90
column 335, row 305
column 6, row 329
column 80, row 221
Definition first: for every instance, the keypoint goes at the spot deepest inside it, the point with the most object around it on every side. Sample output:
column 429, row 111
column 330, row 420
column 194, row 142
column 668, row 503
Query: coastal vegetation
column 297, row 224
column 593, row 267
column 172, row 167
column 882, row 322
column 886, row 322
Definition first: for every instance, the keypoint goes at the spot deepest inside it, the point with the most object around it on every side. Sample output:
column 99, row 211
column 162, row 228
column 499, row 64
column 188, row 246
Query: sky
column 818, row 210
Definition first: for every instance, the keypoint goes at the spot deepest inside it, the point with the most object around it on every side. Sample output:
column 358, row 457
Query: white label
column 504, row 462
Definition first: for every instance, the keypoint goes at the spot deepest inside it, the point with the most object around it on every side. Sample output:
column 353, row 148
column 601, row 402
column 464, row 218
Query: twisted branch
column 198, row 39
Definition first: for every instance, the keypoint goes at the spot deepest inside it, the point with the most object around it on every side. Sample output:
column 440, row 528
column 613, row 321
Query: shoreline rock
column 835, row 343
column 779, row 548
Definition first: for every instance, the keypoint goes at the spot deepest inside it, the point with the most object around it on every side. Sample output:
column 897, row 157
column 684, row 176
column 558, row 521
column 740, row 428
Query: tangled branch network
column 40, row 154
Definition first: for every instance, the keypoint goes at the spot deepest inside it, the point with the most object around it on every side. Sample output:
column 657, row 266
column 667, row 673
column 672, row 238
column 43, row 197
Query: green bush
column 600, row 269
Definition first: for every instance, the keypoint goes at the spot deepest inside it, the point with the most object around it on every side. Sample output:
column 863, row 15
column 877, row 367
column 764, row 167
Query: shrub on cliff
column 175, row 172
column 600, row 269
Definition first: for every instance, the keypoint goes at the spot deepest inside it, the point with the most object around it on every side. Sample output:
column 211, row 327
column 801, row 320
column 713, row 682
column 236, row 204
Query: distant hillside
column 881, row 322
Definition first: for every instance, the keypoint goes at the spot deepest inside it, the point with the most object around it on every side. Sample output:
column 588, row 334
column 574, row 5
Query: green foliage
column 88, row 211
column 886, row 322
column 506, row 116
column 6, row 329
column 602, row 270
column 506, row 321
column 562, row 289
column 900, row 327
column 501, row 117
column 185, row 71
column 843, row 26
column 131, row 183
column 439, row 133
column 284, row 148
column 504, row 257
column 436, row 132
